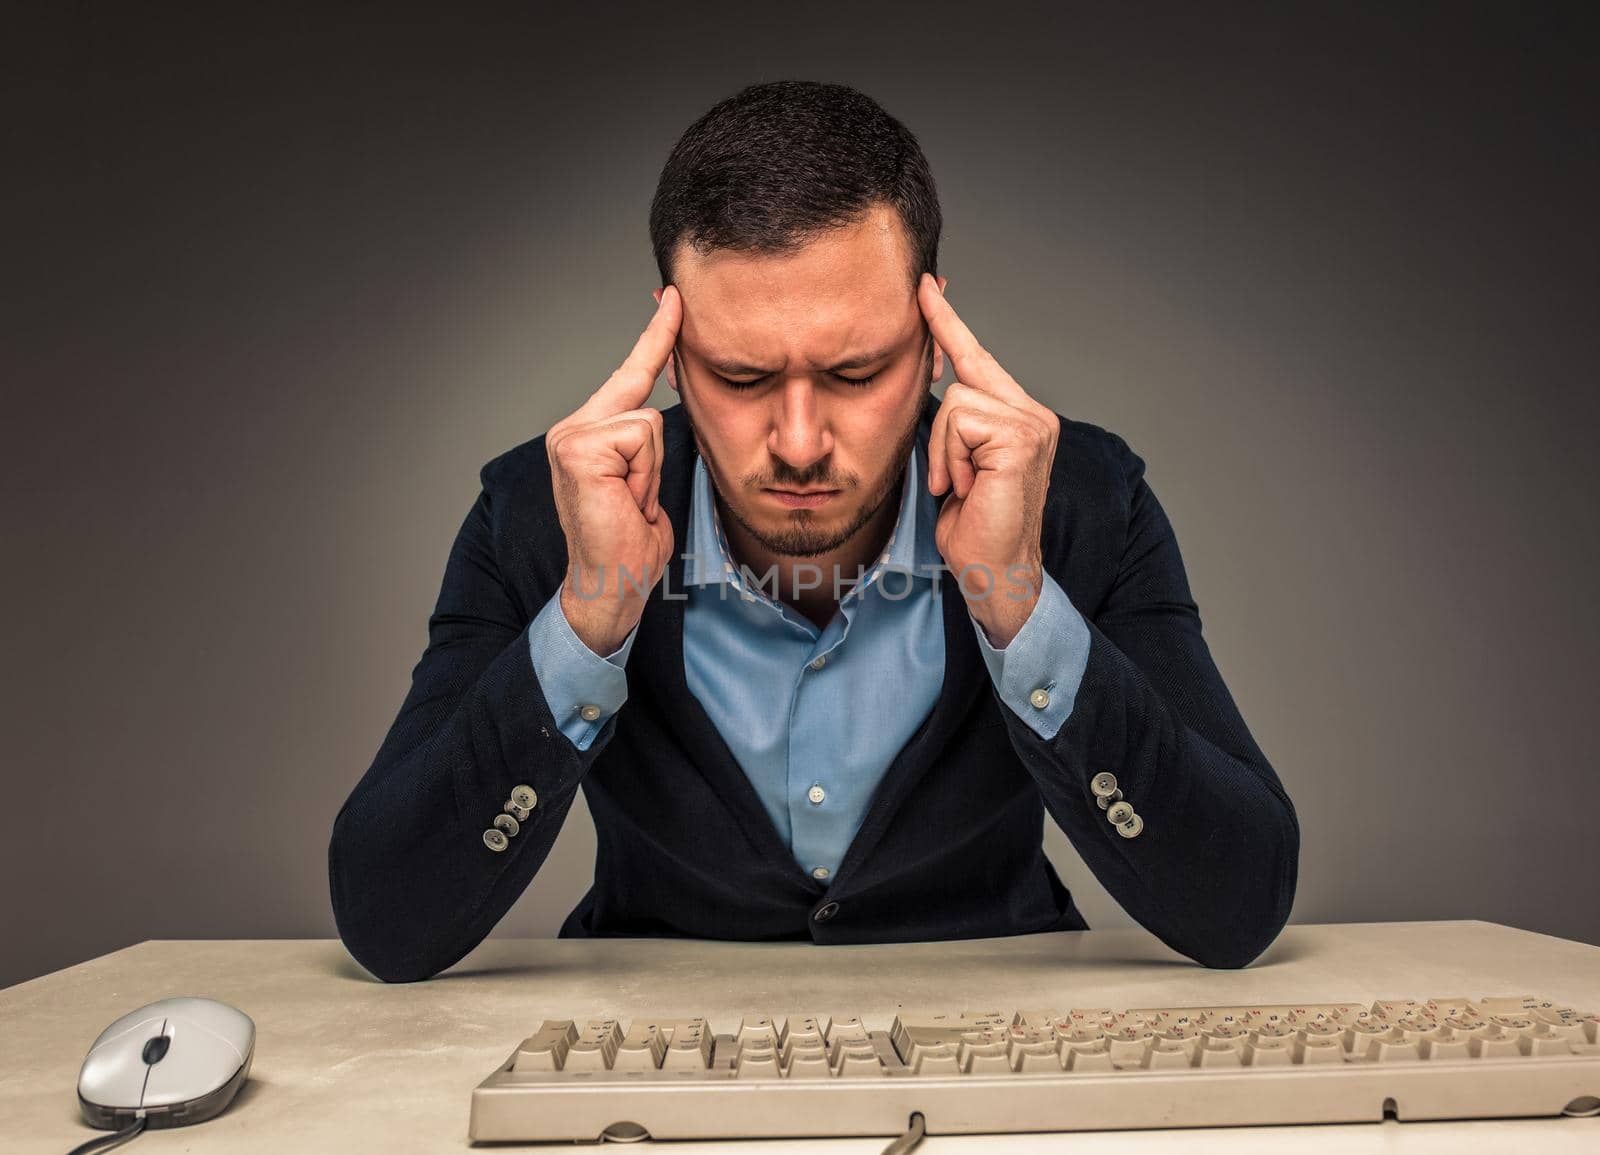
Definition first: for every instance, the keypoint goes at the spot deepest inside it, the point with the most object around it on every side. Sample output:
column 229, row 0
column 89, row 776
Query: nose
column 800, row 436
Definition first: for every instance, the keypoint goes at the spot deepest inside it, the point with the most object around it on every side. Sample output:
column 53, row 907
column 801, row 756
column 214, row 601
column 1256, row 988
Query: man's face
column 805, row 372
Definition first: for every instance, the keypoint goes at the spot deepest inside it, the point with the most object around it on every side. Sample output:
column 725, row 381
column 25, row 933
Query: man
column 820, row 648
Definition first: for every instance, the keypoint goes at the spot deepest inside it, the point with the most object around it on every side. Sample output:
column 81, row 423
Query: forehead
column 844, row 292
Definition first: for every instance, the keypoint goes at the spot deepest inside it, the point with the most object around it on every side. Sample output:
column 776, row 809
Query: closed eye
column 858, row 382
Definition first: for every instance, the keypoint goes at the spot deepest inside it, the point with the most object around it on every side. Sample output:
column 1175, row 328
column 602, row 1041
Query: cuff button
column 1105, row 803
column 507, row 823
column 495, row 840
column 1120, row 813
column 524, row 797
column 1104, row 784
column 1131, row 828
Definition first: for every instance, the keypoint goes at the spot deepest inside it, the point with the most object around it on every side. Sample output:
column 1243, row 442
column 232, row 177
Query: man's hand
column 993, row 445
column 605, row 464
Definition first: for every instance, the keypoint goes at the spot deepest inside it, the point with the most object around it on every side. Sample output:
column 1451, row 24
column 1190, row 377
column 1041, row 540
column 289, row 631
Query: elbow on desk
column 383, row 940
column 1253, row 914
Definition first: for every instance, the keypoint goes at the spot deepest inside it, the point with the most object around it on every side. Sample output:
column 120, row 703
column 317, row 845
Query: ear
column 938, row 353
column 672, row 358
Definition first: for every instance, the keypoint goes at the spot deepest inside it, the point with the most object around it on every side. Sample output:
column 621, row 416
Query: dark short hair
column 770, row 167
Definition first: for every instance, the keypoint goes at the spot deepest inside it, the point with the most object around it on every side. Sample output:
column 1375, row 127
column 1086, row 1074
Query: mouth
column 802, row 499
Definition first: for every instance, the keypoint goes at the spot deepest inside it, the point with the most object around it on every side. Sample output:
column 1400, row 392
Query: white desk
column 348, row 1064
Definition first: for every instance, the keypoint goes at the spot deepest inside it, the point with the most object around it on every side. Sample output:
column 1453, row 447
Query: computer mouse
column 173, row 1062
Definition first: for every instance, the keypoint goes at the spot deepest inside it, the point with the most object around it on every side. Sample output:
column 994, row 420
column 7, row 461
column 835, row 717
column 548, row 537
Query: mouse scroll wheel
column 156, row 1049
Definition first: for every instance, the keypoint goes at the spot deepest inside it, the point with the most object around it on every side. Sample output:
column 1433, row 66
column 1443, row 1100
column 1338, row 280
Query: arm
column 1213, row 871
column 414, row 886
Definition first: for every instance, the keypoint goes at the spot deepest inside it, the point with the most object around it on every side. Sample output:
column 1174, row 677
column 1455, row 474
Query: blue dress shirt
column 814, row 715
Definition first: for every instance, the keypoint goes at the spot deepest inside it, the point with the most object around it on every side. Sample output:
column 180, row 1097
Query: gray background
column 278, row 282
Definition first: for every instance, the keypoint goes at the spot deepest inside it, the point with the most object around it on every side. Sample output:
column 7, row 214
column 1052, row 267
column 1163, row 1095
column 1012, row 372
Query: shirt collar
column 910, row 546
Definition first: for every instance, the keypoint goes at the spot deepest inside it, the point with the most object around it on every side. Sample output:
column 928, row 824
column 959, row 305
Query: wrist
column 1004, row 605
column 602, row 623
column 1001, row 624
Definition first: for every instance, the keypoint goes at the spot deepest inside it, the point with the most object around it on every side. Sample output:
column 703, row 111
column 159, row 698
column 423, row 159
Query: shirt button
column 1040, row 698
column 818, row 662
column 524, row 797
column 1131, row 828
column 819, row 872
column 589, row 713
column 495, row 840
column 816, row 794
column 824, row 913
column 1104, row 784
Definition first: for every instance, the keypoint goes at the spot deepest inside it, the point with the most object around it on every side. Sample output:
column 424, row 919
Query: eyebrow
column 735, row 369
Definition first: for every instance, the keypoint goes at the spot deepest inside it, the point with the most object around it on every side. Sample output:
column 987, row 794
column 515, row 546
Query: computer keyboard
column 1043, row 1070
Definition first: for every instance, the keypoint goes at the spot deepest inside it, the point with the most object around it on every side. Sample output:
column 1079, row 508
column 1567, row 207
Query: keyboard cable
column 911, row 1138
column 105, row 1142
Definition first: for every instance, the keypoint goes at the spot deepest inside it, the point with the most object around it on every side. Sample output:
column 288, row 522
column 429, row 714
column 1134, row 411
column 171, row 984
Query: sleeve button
column 1131, row 828
column 524, row 797
column 1040, row 698
column 1105, row 803
column 1120, row 813
column 1104, row 784
column 495, row 840
column 507, row 823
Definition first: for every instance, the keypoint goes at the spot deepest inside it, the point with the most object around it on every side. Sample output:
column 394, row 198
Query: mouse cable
column 105, row 1142
column 915, row 1130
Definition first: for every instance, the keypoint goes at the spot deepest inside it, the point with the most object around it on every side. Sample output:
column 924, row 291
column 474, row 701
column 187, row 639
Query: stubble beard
column 801, row 536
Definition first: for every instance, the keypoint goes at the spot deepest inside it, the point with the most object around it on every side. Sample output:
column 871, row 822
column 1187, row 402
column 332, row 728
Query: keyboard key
column 984, row 1058
column 547, row 1048
column 807, row 1061
column 642, row 1049
column 757, row 1028
column 758, row 1061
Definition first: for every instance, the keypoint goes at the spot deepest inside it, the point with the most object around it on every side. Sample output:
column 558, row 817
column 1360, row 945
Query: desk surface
column 346, row 1063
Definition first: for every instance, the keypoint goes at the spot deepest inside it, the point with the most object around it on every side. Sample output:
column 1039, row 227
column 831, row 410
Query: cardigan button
column 824, row 913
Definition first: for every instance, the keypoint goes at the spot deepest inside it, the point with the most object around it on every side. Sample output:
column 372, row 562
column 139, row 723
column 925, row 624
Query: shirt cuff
column 574, row 678
column 1039, row 673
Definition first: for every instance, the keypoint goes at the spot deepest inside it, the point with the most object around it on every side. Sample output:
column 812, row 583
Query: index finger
column 629, row 387
column 973, row 363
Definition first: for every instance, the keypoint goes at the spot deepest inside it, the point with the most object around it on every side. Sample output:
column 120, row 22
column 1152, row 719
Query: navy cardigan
column 952, row 843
